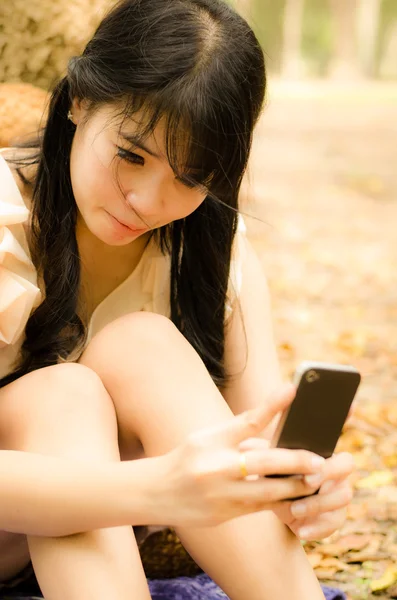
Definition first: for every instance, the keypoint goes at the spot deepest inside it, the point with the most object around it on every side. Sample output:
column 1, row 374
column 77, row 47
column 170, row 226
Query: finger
column 266, row 492
column 338, row 467
column 282, row 510
column 252, row 422
column 318, row 505
column 254, row 444
column 323, row 528
column 277, row 461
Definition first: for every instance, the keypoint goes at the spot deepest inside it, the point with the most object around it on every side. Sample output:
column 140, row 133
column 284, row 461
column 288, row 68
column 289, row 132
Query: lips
column 131, row 227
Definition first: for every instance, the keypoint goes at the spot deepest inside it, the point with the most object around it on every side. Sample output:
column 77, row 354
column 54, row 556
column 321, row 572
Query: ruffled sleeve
column 19, row 293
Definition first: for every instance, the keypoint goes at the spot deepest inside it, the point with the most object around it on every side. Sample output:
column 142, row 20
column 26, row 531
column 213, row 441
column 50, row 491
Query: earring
column 70, row 116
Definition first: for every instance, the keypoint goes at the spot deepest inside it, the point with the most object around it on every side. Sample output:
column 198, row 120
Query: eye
column 130, row 157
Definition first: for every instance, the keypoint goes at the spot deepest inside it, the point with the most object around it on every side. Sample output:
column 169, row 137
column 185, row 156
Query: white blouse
column 147, row 288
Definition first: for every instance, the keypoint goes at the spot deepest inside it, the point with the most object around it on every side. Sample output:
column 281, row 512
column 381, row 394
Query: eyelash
column 130, row 157
column 135, row 159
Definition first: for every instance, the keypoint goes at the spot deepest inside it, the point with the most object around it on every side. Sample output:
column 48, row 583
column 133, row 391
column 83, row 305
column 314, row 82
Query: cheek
column 186, row 203
column 92, row 176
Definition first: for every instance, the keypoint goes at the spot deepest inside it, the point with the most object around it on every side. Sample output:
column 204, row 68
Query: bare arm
column 52, row 496
column 252, row 355
column 48, row 496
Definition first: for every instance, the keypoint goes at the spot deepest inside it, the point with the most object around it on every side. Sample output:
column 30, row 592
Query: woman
column 151, row 323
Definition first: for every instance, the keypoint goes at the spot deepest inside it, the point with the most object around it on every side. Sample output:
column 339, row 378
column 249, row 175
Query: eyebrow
column 134, row 141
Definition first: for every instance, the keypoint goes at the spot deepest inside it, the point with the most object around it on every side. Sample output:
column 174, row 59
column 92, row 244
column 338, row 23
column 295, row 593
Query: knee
column 146, row 328
column 53, row 400
column 135, row 336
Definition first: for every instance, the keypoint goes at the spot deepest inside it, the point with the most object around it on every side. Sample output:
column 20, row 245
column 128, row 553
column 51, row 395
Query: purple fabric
column 185, row 588
column 203, row 588
column 331, row 594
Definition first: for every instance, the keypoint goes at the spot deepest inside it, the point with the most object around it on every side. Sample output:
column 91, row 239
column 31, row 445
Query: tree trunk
column 368, row 17
column 292, row 64
column 345, row 63
column 388, row 66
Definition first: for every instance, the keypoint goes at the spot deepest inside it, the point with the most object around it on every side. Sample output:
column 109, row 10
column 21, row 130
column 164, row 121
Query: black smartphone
column 315, row 418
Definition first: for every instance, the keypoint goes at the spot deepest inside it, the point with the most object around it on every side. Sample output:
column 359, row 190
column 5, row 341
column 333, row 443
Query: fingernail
column 314, row 480
column 317, row 461
column 305, row 532
column 298, row 510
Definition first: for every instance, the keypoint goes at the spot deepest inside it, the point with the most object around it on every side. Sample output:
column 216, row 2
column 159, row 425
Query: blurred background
column 344, row 39
column 332, row 38
column 320, row 195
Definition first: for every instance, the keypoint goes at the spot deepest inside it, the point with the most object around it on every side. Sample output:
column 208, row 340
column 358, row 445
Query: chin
column 111, row 239
column 117, row 234
column 103, row 230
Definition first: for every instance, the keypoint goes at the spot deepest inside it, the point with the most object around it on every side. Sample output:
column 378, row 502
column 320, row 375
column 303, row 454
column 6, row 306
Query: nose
column 146, row 202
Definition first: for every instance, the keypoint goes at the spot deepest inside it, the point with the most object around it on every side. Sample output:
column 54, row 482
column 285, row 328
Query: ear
column 79, row 110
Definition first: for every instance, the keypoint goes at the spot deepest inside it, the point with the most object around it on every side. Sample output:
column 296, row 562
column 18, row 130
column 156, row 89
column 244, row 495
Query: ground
column 323, row 184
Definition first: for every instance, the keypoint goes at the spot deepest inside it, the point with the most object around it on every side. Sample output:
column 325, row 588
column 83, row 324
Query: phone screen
column 316, row 416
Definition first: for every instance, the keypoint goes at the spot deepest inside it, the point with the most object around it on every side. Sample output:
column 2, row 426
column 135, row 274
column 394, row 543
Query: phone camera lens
column 312, row 376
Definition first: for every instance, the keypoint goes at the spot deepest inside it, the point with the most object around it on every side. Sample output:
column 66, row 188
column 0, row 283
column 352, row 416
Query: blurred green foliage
column 267, row 21
column 317, row 35
column 266, row 18
column 388, row 19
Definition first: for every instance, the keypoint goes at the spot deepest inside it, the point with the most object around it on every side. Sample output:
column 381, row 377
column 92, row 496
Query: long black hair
column 198, row 65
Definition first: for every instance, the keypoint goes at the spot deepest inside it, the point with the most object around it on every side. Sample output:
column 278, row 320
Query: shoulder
column 19, row 290
column 9, row 154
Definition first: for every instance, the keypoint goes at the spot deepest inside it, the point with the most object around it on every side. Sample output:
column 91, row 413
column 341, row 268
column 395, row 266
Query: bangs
column 201, row 145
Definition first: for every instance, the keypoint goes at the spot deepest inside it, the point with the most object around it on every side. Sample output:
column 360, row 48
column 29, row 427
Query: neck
column 95, row 253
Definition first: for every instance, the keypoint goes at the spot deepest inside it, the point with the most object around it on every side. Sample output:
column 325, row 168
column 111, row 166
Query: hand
column 318, row 516
column 205, row 485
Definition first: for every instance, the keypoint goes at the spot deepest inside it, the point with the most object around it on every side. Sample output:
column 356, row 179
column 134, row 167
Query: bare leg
column 65, row 411
column 162, row 392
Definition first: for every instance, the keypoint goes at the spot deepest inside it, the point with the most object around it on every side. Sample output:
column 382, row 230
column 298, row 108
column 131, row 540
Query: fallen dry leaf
column 356, row 512
column 346, row 543
column 391, row 413
column 360, row 525
column 392, row 592
column 376, row 479
column 315, row 558
column 328, row 250
column 353, row 342
column 336, row 563
column 370, row 552
column 324, row 574
column 388, row 578
column 390, row 460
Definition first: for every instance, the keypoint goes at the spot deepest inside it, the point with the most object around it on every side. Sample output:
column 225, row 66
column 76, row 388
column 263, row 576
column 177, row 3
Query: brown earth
column 323, row 182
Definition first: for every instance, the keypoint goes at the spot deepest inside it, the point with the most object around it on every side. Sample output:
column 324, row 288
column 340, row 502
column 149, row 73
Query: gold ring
column 243, row 464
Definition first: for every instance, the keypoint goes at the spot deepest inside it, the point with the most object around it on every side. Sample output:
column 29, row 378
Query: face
column 123, row 191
